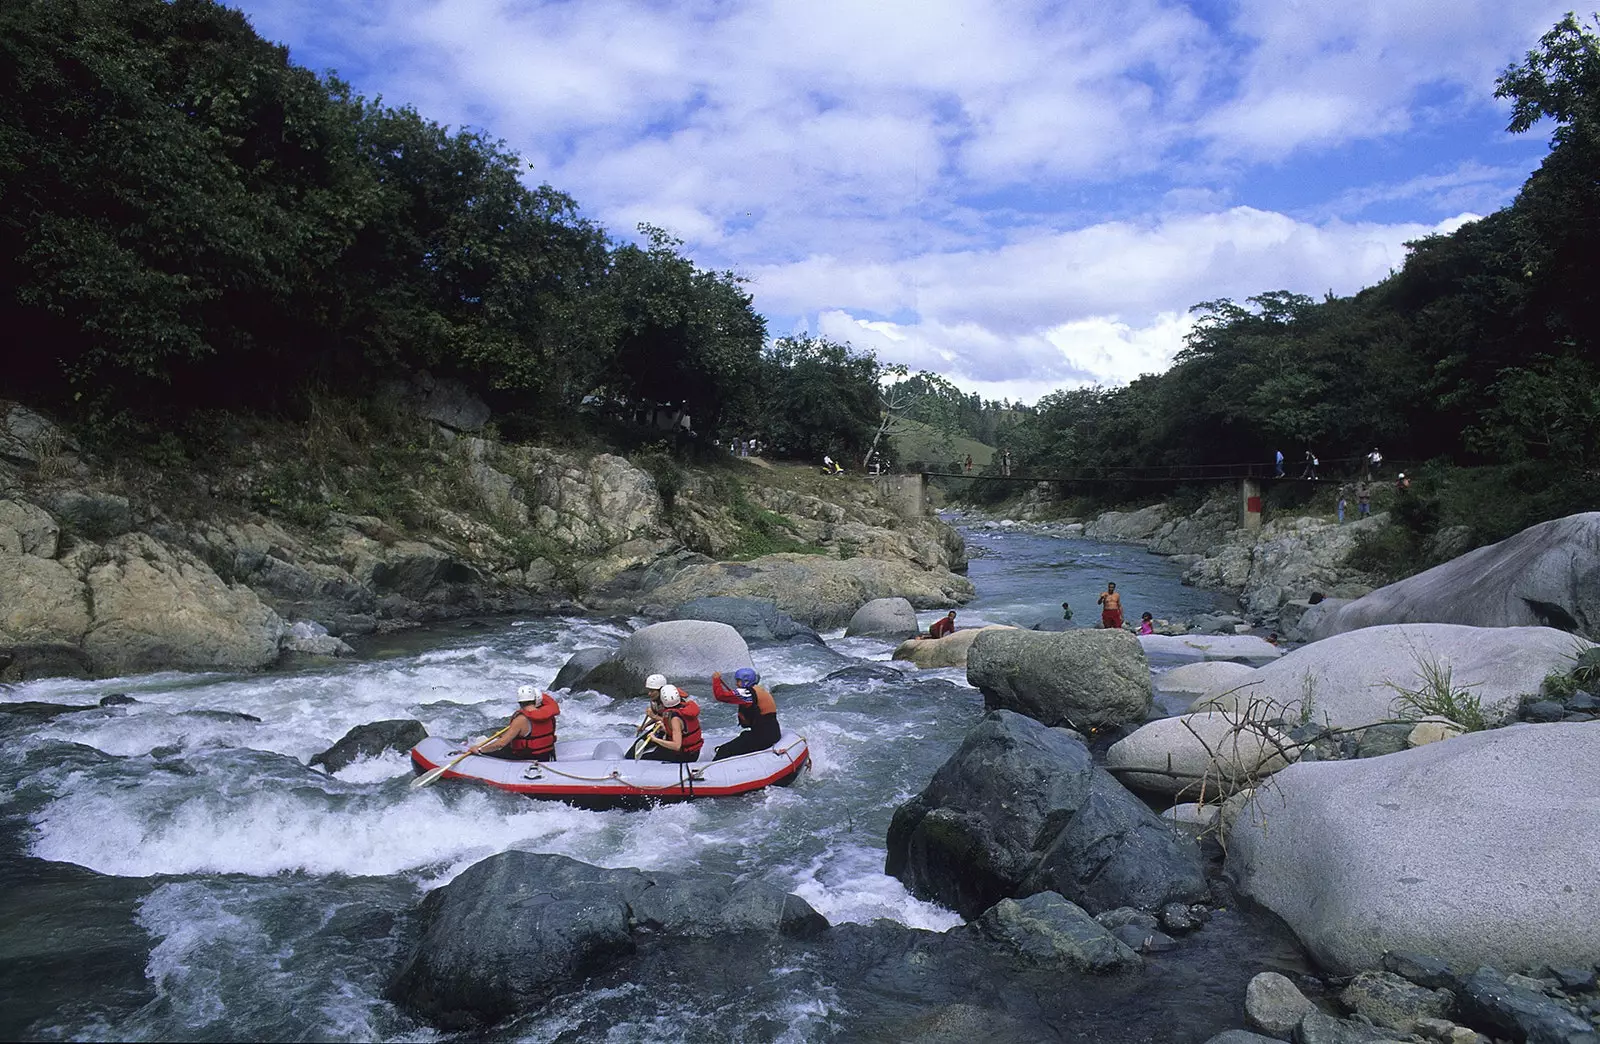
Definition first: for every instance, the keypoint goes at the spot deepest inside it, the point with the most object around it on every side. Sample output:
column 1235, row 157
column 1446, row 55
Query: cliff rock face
column 100, row 575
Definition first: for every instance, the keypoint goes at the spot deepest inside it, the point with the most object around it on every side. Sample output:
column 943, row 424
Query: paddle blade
column 430, row 776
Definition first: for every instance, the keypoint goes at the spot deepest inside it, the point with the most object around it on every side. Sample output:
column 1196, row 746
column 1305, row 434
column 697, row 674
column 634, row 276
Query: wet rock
column 1378, row 740
column 1546, row 575
column 1178, row 918
column 1317, row 1028
column 686, row 651
column 558, row 922
column 1385, row 836
column 1389, row 1000
column 949, row 651
column 1079, row 679
column 1544, row 710
column 37, row 710
column 117, row 699
column 1127, row 915
column 1575, row 979
column 1420, row 968
column 1349, row 681
column 578, row 665
column 369, row 741
column 756, row 619
column 1210, row 753
column 883, row 618
column 1487, row 999
column 1045, row 929
column 1275, row 1005
column 867, row 672
column 1021, row 808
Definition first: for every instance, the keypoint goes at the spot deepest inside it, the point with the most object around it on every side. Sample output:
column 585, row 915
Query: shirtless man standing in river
column 1111, row 607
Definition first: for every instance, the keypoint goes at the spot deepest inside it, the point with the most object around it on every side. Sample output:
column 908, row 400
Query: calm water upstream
column 172, row 870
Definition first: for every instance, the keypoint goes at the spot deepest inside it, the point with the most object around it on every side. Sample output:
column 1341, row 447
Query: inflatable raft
column 594, row 774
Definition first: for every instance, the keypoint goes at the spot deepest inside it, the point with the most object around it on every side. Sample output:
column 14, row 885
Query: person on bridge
column 1277, row 464
column 1373, row 460
column 1111, row 607
column 1310, row 471
column 969, row 462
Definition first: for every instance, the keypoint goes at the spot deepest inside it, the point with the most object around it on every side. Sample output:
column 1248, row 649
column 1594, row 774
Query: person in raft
column 676, row 737
column 758, row 712
column 1147, row 625
column 531, row 736
column 945, row 625
column 1111, row 606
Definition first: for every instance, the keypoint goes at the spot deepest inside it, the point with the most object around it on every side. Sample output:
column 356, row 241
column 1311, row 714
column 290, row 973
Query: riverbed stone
column 1080, row 679
column 1213, row 754
column 1197, row 679
column 1488, row 999
column 1321, row 1028
column 558, row 921
column 883, row 618
column 369, row 741
column 1355, row 856
column 1275, row 1005
column 949, row 651
column 686, row 651
column 1546, row 575
column 756, row 619
column 1350, row 681
column 1046, row 929
column 1187, row 648
column 1021, row 808
column 1390, row 1000
column 1238, row 1036
column 578, row 665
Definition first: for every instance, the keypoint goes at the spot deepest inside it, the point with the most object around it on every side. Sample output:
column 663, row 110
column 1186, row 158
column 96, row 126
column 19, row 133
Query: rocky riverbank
column 113, row 567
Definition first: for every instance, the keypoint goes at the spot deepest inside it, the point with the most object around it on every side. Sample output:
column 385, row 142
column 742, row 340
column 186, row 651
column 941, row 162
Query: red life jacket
column 541, row 738
column 688, row 712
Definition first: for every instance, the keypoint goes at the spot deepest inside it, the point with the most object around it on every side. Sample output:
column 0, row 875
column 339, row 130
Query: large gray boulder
column 1021, row 808
column 949, row 651
column 686, row 651
column 814, row 589
column 756, row 619
column 1127, row 525
column 1547, row 575
column 1350, row 680
column 1077, row 678
column 1482, row 850
column 1190, row 648
column 578, row 665
column 883, row 618
column 370, row 740
column 1197, row 679
column 556, row 921
column 1205, row 755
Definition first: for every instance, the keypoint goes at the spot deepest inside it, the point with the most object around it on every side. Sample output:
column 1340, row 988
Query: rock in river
column 1076, row 678
column 686, row 651
column 1482, row 850
column 1211, row 754
column 1021, row 808
column 370, row 740
column 883, row 618
column 556, row 921
column 756, row 619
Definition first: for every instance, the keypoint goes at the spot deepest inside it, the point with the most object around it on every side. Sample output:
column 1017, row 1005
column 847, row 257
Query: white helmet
column 1402, row 474
column 529, row 694
column 671, row 696
column 655, row 681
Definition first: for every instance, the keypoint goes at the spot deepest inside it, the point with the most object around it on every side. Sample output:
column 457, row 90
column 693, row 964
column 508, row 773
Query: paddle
column 643, row 742
column 432, row 775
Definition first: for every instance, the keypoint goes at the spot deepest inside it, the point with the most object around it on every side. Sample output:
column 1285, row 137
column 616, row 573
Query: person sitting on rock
column 531, row 736
column 1147, row 624
column 758, row 712
column 945, row 625
column 677, row 736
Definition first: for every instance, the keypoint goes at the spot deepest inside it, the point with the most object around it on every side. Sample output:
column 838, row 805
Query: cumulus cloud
column 1012, row 192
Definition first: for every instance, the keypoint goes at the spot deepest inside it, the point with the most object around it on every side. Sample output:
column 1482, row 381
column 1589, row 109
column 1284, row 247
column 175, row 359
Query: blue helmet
column 745, row 677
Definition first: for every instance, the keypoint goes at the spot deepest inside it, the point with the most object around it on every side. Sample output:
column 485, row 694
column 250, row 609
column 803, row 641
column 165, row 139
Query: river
column 173, row 870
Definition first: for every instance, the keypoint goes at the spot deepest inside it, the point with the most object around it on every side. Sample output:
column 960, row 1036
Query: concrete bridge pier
column 1250, row 503
column 906, row 494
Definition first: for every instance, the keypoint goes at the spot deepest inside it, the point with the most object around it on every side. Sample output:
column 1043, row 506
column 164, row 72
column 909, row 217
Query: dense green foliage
column 188, row 221
column 1481, row 351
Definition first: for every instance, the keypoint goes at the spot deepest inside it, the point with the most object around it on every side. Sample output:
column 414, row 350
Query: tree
column 817, row 397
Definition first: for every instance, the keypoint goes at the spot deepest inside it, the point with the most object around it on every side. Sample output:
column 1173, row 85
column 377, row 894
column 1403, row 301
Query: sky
column 1020, row 196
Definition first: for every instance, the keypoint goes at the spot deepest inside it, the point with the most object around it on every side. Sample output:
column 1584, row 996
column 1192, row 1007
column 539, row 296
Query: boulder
column 1275, row 1005
column 1127, row 525
column 1209, row 754
column 1300, row 621
column 578, row 665
column 1197, row 679
column 949, row 651
column 309, row 638
column 42, row 601
column 819, row 591
column 1045, row 929
column 1188, row 648
column 1348, row 681
column 1320, row 1028
column 1470, row 850
column 686, row 651
column 883, row 618
column 27, row 529
column 448, row 402
column 157, row 608
column 1493, row 1000
column 92, row 514
column 1021, row 808
column 370, row 740
column 1077, row 678
column 1547, row 575
column 558, row 921
column 756, row 619
column 26, row 438
column 1391, row 1001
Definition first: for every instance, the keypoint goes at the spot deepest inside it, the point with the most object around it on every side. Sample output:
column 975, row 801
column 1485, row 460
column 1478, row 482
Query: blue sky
column 1021, row 196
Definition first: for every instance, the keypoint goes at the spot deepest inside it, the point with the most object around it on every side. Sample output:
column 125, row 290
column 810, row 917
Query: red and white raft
column 594, row 774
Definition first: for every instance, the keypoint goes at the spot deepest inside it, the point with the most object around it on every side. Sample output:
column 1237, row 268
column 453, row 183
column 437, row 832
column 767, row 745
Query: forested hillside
column 1483, row 350
column 191, row 223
